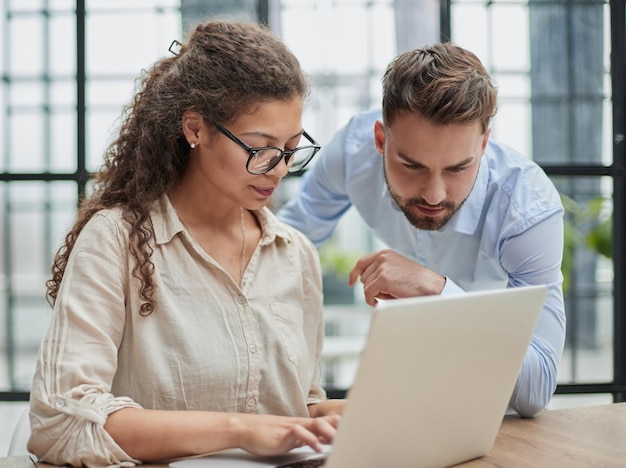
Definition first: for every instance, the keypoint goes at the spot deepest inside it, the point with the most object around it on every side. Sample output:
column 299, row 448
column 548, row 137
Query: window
column 68, row 67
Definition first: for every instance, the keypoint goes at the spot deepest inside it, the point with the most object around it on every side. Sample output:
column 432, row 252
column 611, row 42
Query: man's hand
column 389, row 275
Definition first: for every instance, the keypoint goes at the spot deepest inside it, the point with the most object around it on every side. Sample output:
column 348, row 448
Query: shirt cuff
column 451, row 288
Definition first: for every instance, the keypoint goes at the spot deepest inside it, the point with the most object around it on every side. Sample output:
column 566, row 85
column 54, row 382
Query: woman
column 187, row 319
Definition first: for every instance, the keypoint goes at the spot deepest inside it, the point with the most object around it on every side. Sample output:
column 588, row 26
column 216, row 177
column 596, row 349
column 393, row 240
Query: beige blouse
column 209, row 345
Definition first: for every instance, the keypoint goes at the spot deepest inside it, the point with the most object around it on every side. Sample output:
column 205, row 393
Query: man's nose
column 434, row 191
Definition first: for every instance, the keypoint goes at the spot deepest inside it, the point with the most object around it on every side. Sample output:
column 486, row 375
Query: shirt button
column 253, row 348
column 251, row 402
column 59, row 404
column 241, row 299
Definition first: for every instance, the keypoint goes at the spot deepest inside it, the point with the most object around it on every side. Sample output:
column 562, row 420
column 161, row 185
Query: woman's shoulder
column 105, row 226
column 112, row 217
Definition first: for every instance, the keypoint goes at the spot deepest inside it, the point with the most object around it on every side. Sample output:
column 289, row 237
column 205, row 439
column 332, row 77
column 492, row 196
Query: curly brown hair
column 444, row 83
column 224, row 69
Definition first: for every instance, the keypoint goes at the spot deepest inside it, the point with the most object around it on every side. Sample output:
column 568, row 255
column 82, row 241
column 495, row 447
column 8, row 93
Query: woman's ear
column 192, row 126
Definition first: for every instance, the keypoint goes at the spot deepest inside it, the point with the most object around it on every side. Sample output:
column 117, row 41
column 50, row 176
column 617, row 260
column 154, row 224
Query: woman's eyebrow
column 271, row 137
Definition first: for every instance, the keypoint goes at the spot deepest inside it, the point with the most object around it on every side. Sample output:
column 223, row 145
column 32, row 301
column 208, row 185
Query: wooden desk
column 593, row 436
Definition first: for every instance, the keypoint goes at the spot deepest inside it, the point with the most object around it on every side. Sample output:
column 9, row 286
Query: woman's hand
column 274, row 435
column 326, row 408
column 151, row 435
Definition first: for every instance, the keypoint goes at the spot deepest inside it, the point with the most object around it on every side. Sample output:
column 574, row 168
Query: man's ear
column 379, row 137
column 192, row 125
column 486, row 139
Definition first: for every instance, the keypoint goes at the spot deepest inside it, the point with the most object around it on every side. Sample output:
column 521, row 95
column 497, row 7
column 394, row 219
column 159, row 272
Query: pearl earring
column 193, row 145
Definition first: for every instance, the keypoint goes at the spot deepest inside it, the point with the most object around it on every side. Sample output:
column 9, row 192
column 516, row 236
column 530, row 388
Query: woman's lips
column 265, row 191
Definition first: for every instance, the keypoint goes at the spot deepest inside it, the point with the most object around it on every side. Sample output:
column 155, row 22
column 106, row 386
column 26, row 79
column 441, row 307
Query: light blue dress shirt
column 508, row 233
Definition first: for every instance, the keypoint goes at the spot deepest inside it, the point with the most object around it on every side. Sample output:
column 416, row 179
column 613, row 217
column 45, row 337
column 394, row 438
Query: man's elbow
column 530, row 409
column 533, row 403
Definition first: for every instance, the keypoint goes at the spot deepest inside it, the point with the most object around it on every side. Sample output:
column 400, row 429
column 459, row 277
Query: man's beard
column 426, row 223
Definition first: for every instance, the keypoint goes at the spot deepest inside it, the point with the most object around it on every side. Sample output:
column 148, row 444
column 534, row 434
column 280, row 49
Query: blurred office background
column 68, row 67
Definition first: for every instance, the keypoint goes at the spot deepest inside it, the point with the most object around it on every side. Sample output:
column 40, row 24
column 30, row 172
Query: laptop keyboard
column 310, row 463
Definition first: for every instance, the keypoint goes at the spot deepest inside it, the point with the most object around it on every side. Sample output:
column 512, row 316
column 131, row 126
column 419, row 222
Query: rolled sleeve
column 70, row 397
column 538, row 377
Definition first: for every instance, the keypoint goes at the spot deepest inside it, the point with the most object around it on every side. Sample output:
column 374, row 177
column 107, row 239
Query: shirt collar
column 166, row 223
column 467, row 218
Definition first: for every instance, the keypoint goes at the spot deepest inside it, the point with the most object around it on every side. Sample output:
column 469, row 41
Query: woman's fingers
column 317, row 431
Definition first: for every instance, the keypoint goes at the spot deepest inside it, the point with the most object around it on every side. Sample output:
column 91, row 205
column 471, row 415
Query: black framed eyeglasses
column 264, row 159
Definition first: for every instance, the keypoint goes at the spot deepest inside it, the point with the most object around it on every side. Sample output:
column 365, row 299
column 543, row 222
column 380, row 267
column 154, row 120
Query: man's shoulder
column 505, row 162
column 360, row 130
column 523, row 181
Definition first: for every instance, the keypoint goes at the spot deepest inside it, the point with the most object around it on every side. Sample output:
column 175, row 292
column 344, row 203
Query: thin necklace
column 243, row 248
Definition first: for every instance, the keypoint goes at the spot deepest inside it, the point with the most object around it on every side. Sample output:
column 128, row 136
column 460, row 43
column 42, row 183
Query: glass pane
column 512, row 125
column 25, row 5
column 63, row 141
column 27, row 143
column 62, row 5
column 347, row 65
column 349, row 45
column 26, row 52
column 573, row 401
column 111, row 94
column 130, row 4
column 509, row 37
column 63, row 94
column 62, row 45
column 568, row 81
column 140, row 40
column 588, row 279
column 467, row 20
column 63, row 198
column 36, row 216
column 26, row 94
column 382, row 36
column 101, row 127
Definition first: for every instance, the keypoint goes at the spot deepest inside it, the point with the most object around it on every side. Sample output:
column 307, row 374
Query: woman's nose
column 279, row 170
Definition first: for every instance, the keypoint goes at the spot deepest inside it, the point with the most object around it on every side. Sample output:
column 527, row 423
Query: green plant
column 587, row 225
column 336, row 261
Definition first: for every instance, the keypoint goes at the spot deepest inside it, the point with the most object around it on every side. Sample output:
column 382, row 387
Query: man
column 459, row 212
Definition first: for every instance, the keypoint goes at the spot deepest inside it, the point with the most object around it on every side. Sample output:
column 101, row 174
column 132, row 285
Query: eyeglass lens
column 266, row 159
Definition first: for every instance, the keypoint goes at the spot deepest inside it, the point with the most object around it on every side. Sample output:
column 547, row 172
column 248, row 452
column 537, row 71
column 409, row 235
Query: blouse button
column 241, row 299
column 59, row 404
column 253, row 348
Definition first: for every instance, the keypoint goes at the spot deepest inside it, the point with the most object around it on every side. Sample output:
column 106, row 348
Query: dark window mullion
column 81, row 152
column 618, row 77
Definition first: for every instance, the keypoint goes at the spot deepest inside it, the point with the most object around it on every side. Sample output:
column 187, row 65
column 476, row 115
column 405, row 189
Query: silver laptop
column 433, row 383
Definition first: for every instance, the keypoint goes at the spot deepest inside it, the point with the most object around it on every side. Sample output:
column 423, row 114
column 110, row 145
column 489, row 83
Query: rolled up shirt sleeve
column 70, row 397
column 534, row 258
column 538, row 376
